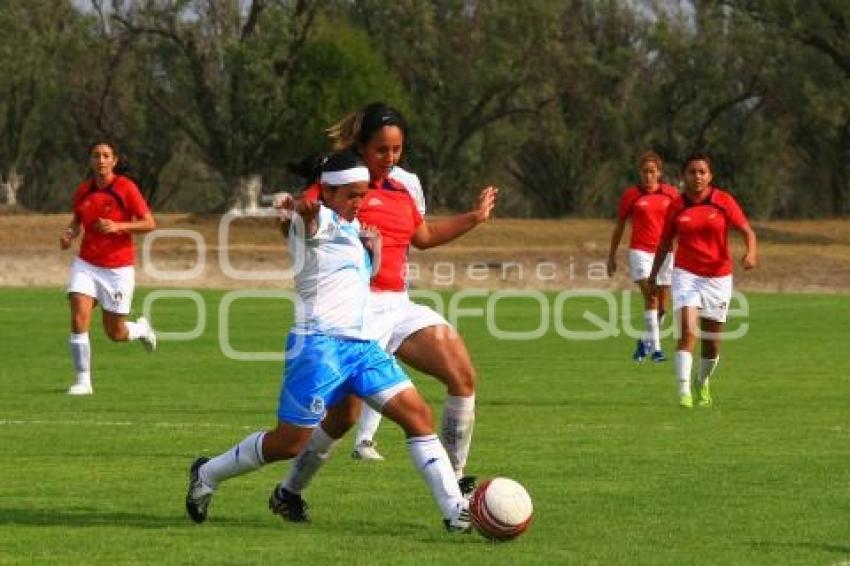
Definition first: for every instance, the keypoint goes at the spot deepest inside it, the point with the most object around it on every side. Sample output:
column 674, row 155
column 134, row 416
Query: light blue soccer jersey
column 332, row 271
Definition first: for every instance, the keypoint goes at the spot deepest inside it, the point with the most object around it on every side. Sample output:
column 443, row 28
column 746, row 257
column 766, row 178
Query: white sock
column 134, row 330
column 367, row 424
column 651, row 334
column 81, row 356
column 430, row 459
column 246, row 456
column 308, row 462
column 456, row 433
column 684, row 361
column 706, row 369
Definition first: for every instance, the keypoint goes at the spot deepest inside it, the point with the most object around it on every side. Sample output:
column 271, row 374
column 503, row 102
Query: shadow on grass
column 88, row 517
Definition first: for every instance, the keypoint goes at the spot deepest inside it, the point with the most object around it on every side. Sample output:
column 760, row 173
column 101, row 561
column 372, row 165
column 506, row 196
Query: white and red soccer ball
column 500, row 509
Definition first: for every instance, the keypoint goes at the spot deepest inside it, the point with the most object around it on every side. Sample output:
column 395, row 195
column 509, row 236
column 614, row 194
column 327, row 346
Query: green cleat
column 703, row 396
column 686, row 401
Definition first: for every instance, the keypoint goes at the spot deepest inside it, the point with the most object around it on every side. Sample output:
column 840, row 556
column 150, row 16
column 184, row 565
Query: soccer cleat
column 686, row 401
column 290, row 506
column 658, row 356
column 80, row 389
column 459, row 522
column 199, row 494
column 640, row 351
column 148, row 337
column 467, row 485
column 703, row 396
column 366, row 450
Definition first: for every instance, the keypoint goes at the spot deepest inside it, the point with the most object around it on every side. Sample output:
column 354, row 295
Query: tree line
column 551, row 100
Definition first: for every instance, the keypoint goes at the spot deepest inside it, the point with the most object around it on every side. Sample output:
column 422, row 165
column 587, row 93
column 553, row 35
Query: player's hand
column 612, row 266
column 284, row 205
column 486, row 204
column 749, row 261
column 370, row 236
column 106, row 226
column 66, row 238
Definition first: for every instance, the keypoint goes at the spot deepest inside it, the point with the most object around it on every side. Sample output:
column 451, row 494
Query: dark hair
column 342, row 160
column 123, row 165
column 310, row 167
column 376, row 116
column 696, row 156
column 355, row 130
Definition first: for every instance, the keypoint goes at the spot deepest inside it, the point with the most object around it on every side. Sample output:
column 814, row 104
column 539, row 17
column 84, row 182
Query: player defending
column 330, row 354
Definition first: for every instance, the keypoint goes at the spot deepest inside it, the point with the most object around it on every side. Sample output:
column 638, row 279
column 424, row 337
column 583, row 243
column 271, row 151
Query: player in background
column 699, row 220
column 331, row 354
column 646, row 204
column 416, row 334
column 108, row 208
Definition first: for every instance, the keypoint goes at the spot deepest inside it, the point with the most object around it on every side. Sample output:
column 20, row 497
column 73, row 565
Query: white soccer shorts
column 111, row 287
column 709, row 294
column 395, row 317
column 640, row 264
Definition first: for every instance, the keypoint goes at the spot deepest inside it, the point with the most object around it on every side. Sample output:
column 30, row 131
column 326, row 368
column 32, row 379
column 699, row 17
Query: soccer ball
column 500, row 509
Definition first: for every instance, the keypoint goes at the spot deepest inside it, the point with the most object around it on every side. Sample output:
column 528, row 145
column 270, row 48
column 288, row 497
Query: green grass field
column 618, row 472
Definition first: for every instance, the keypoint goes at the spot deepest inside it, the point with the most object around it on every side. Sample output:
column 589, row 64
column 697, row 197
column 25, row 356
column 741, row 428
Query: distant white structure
column 10, row 185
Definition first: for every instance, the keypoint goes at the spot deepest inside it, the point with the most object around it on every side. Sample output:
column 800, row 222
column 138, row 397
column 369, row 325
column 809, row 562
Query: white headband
column 346, row 176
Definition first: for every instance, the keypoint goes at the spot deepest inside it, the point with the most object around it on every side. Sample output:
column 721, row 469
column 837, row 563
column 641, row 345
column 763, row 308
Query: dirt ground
column 207, row 252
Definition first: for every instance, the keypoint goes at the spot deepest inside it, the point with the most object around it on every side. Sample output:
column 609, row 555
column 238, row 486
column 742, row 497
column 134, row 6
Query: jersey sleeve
column 413, row 185
column 311, row 193
column 136, row 205
column 626, row 201
column 736, row 215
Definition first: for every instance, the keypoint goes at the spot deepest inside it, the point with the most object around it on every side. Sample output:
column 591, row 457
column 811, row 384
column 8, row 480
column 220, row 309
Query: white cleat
column 460, row 521
column 366, row 450
column 81, row 389
column 148, row 337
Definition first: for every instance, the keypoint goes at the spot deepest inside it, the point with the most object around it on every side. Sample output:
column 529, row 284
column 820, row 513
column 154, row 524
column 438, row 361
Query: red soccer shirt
column 648, row 210
column 120, row 201
column 702, row 230
column 390, row 208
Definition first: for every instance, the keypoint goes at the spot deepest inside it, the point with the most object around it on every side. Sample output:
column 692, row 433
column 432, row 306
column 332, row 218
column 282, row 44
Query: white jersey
column 332, row 272
column 412, row 184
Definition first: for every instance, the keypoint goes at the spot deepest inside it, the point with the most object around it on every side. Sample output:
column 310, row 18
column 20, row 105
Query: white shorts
column 640, row 264
column 709, row 294
column 111, row 286
column 395, row 317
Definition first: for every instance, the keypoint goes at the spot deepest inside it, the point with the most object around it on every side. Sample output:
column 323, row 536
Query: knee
column 461, row 380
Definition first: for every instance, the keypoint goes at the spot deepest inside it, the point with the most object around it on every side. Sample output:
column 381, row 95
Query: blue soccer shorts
column 322, row 370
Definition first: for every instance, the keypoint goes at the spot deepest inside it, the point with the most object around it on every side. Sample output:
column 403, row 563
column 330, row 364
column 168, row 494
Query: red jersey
column 120, row 201
column 702, row 229
column 648, row 210
column 391, row 209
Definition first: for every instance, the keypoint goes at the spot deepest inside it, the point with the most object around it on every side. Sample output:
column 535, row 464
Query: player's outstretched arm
column 432, row 234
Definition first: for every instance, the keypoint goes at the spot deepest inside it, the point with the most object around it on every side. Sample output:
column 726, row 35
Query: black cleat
column 199, row 494
column 290, row 506
column 467, row 485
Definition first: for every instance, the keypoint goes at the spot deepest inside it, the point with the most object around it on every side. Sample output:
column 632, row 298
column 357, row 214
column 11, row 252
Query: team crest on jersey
column 684, row 219
column 118, row 295
column 317, row 406
column 644, row 203
column 374, row 201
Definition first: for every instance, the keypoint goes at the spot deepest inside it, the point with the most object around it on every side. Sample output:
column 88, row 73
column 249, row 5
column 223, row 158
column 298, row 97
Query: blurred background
column 551, row 100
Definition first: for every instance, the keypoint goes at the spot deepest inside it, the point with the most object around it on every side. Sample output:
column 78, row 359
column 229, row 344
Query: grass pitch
column 619, row 474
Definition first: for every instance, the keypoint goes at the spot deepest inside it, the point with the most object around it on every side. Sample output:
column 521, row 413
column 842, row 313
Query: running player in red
column 700, row 220
column 646, row 204
column 419, row 336
column 108, row 207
